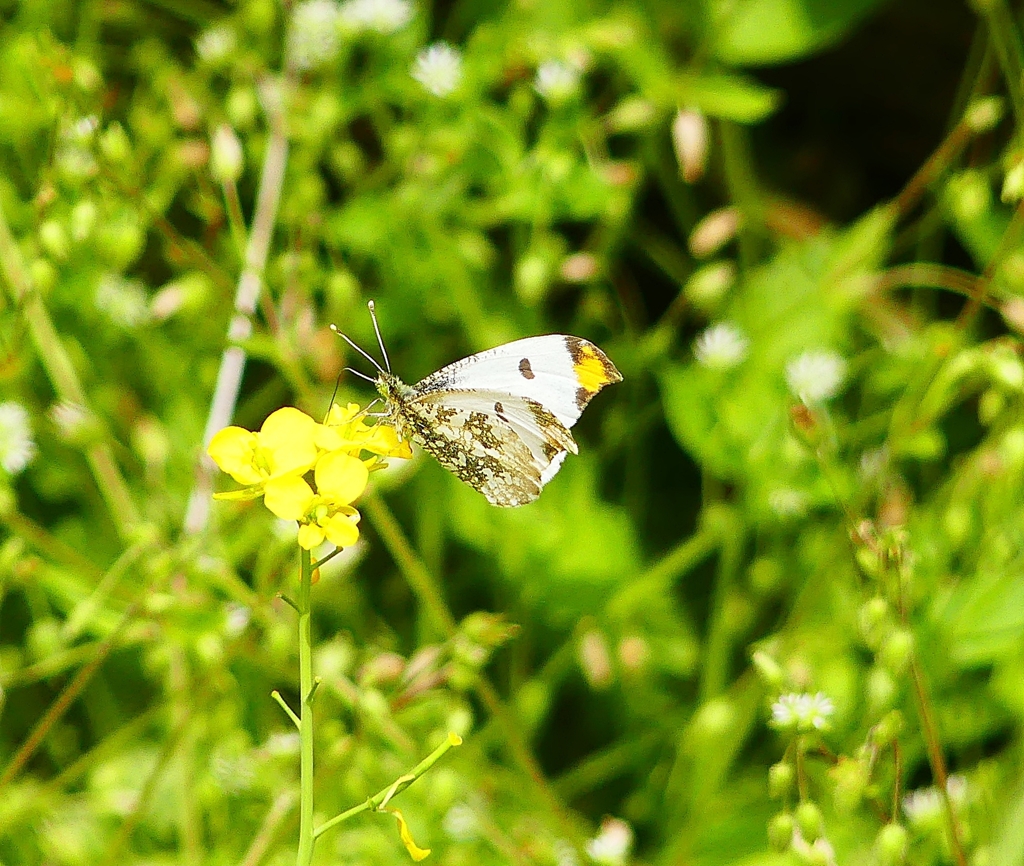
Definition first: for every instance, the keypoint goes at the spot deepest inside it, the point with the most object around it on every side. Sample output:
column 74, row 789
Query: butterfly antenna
column 354, row 372
column 337, row 383
column 380, row 341
column 359, row 349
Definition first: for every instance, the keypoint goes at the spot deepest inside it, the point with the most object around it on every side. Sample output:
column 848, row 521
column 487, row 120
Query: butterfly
column 498, row 420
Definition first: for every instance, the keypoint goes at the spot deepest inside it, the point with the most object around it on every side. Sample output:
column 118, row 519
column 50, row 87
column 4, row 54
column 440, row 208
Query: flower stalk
column 306, row 835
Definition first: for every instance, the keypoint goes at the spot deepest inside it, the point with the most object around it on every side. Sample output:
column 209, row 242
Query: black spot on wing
column 526, row 369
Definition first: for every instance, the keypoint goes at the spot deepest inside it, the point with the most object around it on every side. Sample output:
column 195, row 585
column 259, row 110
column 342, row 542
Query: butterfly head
column 393, row 391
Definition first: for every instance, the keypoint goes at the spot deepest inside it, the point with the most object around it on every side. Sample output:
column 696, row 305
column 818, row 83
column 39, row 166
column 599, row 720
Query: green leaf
column 777, row 31
column 732, row 97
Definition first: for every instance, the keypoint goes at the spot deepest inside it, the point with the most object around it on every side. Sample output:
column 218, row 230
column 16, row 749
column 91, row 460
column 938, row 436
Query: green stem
column 1006, row 41
column 276, row 695
column 306, row 837
column 384, row 795
column 717, row 651
column 66, row 698
column 936, row 759
column 743, row 190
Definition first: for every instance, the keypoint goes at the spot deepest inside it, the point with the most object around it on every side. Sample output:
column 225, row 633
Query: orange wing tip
column 592, row 368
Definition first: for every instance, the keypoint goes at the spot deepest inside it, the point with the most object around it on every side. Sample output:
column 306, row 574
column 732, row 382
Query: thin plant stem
column 306, row 836
column 940, row 160
column 236, row 219
column 658, row 579
column 1007, row 243
column 61, row 661
column 385, row 795
column 278, row 811
column 45, row 542
column 276, row 695
column 936, row 759
column 743, row 190
column 64, row 700
column 897, row 760
column 187, row 247
column 929, row 275
column 1005, row 39
column 63, row 377
column 115, row 743
column 715, row 669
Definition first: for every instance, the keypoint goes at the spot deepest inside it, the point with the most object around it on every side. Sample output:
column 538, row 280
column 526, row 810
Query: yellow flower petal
column 288, row 436
column 340, row 477
column 339, row 415
column 288, row 497
column 341, row 531
column 383, row 439
column 310, row 535
column 233, row 450
column 414, row 850
column 328, row 438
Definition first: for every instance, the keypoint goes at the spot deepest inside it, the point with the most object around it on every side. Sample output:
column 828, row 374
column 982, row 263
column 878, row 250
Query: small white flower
column 438, row 68
column 226, row 156
column 236, row 619
column 461, row 823
column 816, row 376
column 612, row 844
column 818, row 851
column 82, row 130
column 956, row 787
column 721, row 347
column 556, row 81
column 17, row 448
column 234, row 773
column 124, row 301
column 802, row 711
column 314, row 37
column 282, row 744
column 787, row 502
column 71, row 419
column 565, row 854
column 74, row 153
column 215, row 45
column 380, row 16
column 873, row 463
column 923, row 808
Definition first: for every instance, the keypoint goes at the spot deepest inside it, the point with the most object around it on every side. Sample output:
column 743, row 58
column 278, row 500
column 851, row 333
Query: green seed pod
column 780, row 831
column 892, row 844
column 781, row 779
column 810, row 820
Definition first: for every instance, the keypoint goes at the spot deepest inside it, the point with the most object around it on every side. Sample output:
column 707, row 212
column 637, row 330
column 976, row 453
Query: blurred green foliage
column 772, row 613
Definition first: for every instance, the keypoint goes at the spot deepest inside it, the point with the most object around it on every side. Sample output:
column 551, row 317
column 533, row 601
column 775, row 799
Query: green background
column 615, row 648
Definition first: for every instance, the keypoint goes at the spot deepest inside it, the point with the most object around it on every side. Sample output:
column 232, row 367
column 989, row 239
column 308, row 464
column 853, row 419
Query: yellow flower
column 284, row 447
column 274, row 463
column 346, row 428
column 340, row 478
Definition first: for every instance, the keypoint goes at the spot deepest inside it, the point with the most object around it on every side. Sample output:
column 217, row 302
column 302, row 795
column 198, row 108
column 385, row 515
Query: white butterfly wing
column 505, row 446
column 559, row 372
